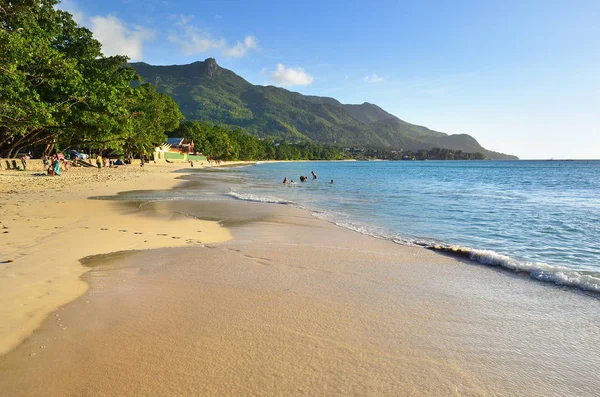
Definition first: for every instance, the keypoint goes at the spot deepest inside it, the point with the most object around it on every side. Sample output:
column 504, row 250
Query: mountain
column 207, row 92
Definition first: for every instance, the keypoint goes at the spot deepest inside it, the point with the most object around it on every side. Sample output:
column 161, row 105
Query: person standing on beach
column 24, row 162
column 99, row 162
column 56, row 166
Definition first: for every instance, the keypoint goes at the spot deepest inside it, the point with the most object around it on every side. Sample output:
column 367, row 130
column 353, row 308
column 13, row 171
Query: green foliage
column 220, row 142
column 57, row 90
column 421, row 154
column 152, row 113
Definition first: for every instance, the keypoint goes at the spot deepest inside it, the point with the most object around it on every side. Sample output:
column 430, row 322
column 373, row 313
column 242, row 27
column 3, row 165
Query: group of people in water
column 302, row 179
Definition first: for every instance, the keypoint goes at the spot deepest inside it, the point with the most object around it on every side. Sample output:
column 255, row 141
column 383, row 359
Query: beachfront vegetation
column 57, row 90
column 422, row 154
column 229, row 143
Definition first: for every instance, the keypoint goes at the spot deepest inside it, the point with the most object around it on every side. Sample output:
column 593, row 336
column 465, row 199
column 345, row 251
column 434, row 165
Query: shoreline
column 295, row 305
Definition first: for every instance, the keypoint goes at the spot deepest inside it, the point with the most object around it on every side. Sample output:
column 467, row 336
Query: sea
column 541, row 218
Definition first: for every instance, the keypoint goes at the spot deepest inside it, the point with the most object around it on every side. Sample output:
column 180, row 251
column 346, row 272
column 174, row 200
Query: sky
column 522, row 77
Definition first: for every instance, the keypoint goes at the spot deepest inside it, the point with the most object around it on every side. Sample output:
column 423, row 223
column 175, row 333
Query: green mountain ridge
column 207, row 92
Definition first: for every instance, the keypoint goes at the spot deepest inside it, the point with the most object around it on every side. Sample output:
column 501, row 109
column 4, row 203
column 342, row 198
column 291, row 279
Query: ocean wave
column 258, row 198
column 557, row 275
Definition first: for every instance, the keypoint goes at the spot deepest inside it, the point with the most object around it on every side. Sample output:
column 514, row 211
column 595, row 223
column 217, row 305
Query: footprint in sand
column 138, row 233
column 176, row 237
column 103, row 228
column 122, row 230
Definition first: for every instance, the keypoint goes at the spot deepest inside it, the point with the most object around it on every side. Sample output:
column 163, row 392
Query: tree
column 152, row 114
column 56, row 87
column 38, row 81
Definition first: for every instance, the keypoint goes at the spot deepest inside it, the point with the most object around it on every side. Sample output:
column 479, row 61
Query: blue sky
column 522, row 77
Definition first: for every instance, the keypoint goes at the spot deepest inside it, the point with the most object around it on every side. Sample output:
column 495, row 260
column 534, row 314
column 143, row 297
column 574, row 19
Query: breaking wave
column 558, row 275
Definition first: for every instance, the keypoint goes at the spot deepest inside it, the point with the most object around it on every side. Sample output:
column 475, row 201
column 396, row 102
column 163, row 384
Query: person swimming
column 285, row 181
column 313, row 175
column 332, row 182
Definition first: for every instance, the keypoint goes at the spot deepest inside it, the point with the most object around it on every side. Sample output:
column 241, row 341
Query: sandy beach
column 48, row 224
column 267, row 301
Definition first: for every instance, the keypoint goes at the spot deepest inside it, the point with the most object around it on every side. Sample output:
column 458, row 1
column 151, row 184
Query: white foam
column 258, row 198
column 538, row 270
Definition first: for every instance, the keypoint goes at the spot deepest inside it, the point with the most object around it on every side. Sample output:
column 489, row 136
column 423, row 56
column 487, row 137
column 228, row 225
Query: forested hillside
column 209, row 93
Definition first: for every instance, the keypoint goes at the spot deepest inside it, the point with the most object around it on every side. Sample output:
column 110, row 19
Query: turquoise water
column 539, row 217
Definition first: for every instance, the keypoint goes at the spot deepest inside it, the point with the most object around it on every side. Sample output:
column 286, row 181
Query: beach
column 48, row 224
column 251, row 298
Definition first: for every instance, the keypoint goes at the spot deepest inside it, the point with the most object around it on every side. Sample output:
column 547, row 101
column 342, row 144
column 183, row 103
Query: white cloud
column 181, row 20
column 374, row 78
column 71, row 8
column 114, row 35
column 250, row 42
column 193, row 41
column 117, row 38
column 190, row 39
column 240, row 50
column 289, row 76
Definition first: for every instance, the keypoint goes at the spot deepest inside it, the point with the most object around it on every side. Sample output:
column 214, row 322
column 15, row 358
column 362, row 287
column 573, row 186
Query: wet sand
column 293, row 305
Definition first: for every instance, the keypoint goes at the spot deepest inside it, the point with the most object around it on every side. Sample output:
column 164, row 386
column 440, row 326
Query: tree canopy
column 57, row 89
column 232, row 143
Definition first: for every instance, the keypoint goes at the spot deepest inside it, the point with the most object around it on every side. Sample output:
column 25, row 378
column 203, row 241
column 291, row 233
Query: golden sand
column 47, row 225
